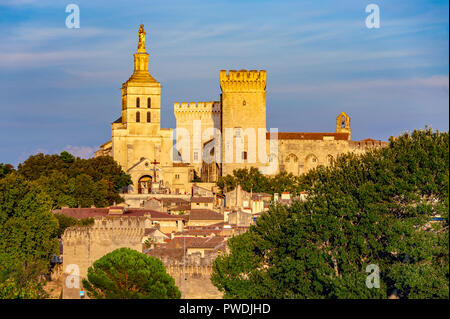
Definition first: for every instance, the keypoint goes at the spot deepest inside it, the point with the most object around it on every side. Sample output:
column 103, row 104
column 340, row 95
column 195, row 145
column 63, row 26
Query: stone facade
column 197, row 272
column 213, row 138
column 84, row 245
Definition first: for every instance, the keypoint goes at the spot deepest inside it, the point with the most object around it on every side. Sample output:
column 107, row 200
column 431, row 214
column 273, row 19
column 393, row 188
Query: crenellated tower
column 198, row 119
column 243, row 102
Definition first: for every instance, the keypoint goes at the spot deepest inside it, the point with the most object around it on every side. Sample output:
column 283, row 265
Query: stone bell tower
column 137, row 134
column 141, row 95
column 343, row 124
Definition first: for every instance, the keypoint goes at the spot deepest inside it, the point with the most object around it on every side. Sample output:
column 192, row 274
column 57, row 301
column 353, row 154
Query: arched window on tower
column 138, row 117
column 148, row 117
column 343, row 121
column 149, row 102
column 138, row 102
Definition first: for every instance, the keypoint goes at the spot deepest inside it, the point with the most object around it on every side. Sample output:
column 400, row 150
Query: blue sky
column 60, row 88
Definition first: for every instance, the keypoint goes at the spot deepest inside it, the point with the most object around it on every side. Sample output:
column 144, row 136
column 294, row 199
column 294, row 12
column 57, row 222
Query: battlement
column 107, row 227
column 211, row 106
column 243, row 80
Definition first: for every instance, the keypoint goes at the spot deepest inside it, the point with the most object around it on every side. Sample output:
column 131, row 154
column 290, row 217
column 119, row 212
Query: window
column 244, row 103
column 244, row 155
column 148, row 117
column 195, row 156
column 237, row 132
column 177, row 176
column 138, row 102
column 149, row 102
column 138, row 117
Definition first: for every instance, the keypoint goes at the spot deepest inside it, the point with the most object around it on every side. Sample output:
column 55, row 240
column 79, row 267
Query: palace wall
column 197, row 270
column 300, row 156
column 84, row 245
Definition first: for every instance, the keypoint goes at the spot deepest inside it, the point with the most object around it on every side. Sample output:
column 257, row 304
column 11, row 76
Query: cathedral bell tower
column 141, row 95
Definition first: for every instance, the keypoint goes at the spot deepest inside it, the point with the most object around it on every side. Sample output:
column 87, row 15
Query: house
column 204, row 217
column 198, row 202
column 201, row 191
column 200, row 245
column 182, row 209
column 171, row 202
column 240, row 218
column 154, row 236
column 153, row 203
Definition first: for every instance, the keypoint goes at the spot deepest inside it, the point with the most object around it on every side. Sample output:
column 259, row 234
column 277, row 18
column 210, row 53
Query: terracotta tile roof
column 164, row 216
column 309, row 136
column 151, row 198
column 80, row 213
column 199, row 199
column 199, row 232
column 163, row 251
column 180, row 164
column 151, row 231
column 169, row 200
column 195, row 242
column 211, row 242
column 204, row 214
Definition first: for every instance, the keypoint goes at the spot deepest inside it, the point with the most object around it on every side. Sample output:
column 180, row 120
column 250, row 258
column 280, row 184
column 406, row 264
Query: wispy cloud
column 80, row 151
column 437, row 81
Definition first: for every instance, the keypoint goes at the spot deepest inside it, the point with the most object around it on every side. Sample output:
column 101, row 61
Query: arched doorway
column 145, row 185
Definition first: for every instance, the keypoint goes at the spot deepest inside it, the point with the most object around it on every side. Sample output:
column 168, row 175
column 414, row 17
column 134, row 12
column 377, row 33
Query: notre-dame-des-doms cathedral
column 231, row 131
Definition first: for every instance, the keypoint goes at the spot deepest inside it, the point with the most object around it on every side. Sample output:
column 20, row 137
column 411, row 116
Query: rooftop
column 204, row 214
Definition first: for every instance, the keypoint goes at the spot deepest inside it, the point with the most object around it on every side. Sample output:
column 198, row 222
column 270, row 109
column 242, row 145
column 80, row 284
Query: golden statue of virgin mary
column 141, row 32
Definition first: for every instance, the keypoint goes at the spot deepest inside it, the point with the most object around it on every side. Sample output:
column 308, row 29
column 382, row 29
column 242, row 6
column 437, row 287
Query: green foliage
column 5, row 169
column 128, row 274
column 27, row 237
column 76, row 182
column 370, row 209
column 252, row 180
column 66, row 221
column 11, row 289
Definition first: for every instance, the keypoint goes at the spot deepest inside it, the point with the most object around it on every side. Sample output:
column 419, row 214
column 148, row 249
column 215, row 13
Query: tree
column 66, row 221
column 74, row 182
column 5, row 169
column 252, row 180
column 129, row 274
column 27, row 237
column 376, row 208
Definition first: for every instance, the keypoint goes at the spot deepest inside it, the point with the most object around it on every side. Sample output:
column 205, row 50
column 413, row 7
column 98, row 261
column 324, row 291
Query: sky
column 60, row 87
